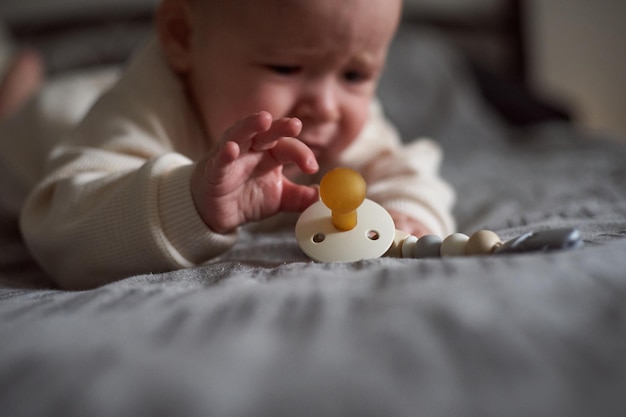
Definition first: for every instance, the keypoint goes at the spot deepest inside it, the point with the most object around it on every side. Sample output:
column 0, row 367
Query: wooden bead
column 395, row 250
column 427, row 246
column 454, row 245
column 483, row 242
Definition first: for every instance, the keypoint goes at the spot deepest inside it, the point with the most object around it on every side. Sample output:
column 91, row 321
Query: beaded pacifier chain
column 345, row 226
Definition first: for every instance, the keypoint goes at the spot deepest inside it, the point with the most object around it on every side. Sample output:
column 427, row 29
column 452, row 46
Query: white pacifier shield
column 320, row 240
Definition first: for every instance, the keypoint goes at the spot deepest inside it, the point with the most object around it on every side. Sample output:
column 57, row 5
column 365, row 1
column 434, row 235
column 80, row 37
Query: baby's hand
column 243, row 180
column 408, row 224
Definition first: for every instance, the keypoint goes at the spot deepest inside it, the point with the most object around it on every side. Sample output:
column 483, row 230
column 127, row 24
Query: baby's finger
column 285, row 127
column 246, row 129
column 293, row 151
column 218, row 167
column 227, row 154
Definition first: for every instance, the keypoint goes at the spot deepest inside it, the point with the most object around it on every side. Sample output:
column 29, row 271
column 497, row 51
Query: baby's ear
column 174, row 28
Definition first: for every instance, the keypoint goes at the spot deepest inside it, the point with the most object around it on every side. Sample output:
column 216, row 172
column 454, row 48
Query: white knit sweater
column 114, row 196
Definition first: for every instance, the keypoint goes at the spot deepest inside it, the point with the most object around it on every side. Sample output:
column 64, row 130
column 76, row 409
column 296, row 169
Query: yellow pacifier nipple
column 343, row 190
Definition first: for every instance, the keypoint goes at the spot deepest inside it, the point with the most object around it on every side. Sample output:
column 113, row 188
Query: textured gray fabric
column 262, row 331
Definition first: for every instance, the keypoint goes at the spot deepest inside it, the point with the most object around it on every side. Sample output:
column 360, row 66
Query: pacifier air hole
column 319, row 237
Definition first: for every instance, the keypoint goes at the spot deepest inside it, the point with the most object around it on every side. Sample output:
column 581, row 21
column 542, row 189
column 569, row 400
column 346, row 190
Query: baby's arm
column 243, row 180
column 126, row 207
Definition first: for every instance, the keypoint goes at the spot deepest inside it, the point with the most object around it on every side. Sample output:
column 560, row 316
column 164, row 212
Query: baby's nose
column 319, row 103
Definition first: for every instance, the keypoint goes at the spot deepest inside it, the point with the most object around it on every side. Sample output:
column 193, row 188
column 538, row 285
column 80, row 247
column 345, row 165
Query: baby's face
column 317, row 60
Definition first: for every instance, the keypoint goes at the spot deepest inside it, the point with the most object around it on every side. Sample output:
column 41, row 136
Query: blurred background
column 578, row 54
column 569, row 54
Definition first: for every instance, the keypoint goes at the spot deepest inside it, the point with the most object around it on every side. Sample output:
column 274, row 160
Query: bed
column 264, row 331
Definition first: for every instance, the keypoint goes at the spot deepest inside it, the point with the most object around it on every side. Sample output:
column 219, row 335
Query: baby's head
column 317, row 60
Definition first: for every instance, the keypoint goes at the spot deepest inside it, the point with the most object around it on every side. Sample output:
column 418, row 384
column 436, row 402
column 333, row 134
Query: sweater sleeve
column 115, row 197
column 401, row 177
column 103, row 216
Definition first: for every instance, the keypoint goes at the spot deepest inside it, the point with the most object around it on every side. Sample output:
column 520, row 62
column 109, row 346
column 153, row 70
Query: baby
column 219, row 123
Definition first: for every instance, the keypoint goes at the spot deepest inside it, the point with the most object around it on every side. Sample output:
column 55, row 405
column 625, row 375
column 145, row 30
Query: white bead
column 454, row 245
column 407, row 246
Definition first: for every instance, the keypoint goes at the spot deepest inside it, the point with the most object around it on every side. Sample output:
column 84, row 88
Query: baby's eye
column 355, row 76
column 284, row 69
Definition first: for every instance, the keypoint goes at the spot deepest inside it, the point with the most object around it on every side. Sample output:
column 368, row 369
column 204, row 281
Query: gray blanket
column 263, row 331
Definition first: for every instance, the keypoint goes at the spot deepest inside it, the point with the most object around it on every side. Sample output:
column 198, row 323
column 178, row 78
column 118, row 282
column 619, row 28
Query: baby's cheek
column 352, row 125
column 360, row 116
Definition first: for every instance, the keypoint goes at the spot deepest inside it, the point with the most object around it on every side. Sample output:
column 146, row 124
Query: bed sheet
column 264, row 331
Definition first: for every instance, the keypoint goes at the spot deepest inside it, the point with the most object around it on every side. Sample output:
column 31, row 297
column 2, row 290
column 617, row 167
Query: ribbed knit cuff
column 181, row 222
